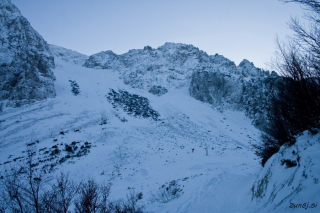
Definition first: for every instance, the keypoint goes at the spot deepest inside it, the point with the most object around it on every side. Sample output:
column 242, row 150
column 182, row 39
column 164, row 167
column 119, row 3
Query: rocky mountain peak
column 178, row 46
column 247, row 69
column 148, row 48
column 7, row 6
column 102, row 60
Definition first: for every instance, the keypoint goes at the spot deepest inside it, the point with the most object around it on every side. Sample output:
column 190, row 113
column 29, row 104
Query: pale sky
column 237, row 29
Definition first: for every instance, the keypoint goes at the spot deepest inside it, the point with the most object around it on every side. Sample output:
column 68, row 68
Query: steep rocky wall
column 244, row 89
column 25, row 60
column 216, row 88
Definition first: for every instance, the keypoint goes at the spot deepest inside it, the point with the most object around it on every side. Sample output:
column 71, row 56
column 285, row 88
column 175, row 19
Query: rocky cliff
column 25, row 60
column 242, row 87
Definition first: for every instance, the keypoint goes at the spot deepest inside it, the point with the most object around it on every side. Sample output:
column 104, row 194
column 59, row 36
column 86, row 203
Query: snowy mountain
column 25, row 60
column 211, row 78
column 145, row 120
column 170, row 65
column 132, row 150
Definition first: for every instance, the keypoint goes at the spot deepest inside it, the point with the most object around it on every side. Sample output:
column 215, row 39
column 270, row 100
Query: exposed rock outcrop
column 226, row 86
column 25, row 60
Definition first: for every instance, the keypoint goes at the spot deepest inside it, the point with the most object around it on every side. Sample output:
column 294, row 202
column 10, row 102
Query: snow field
column 141, row 153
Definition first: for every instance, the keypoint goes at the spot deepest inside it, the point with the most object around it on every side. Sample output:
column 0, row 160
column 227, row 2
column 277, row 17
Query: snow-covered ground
column 140, row 153
column 290, row 178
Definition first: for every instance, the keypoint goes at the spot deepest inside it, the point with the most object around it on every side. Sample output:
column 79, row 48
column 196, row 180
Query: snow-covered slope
column 133, row 151
column 68, row 55
column 25, row 60
column 290, row 179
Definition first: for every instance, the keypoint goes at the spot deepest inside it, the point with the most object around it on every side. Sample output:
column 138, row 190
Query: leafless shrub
column 23, row 186
column 130, row 205
column 62, row 192
column 167, row 193
column 88, row 198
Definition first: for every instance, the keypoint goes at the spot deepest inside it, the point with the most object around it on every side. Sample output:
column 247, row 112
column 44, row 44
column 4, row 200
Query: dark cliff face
column 238, row 91
column 25, row 60
column 215, row 88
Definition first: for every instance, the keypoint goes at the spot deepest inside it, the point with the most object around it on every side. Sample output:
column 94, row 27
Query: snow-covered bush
column 133, row 104
column 75, row 89
column 266, row 148
column 103, row 119
column 1, row 107
column 167, row 193
column 130, row 205
column 158, row 90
